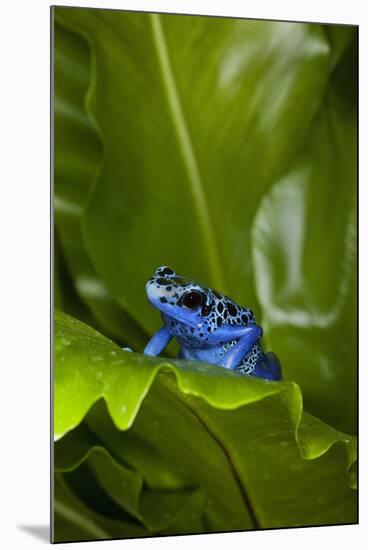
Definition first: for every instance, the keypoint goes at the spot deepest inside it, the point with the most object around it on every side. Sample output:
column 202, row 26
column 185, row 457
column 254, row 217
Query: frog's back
column 229, row 312
column 226, row 311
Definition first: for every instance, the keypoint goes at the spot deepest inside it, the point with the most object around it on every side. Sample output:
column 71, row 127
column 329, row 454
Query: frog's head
column 181, row 299
column 189, row 308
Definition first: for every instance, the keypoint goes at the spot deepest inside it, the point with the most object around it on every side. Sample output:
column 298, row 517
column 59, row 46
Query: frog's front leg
column 247, row 336
column 158, row 342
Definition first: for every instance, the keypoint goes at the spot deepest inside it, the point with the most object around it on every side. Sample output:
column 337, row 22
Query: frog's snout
column 159, row 286
column 152, row 291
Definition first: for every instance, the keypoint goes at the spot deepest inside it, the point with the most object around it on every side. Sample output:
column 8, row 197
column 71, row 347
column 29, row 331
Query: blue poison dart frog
column 209, row 327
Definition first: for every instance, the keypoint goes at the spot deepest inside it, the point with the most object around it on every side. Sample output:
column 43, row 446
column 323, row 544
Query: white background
column 24, row 271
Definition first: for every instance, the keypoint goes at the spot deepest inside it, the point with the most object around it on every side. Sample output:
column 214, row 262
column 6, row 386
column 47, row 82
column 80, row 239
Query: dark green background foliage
column 226, row 149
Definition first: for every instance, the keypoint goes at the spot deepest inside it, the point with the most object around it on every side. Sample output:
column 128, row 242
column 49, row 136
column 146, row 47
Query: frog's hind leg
column 268, row 367
column 247, row 336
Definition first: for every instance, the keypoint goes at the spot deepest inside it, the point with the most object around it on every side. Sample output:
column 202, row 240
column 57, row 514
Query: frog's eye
column 192, row 300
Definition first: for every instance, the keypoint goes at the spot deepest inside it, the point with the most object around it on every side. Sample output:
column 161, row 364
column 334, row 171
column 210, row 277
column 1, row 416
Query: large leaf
column 194, row 129
column 304, row 255
column 65, row 295
column 77, row 156
column 229, row 153
column 157, row 510
column 243, row 443
column 74, row 520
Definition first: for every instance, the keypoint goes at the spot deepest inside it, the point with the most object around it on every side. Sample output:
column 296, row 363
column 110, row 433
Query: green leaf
column 195, row 130
column 244, row 443
column 159, row 511
column 78, row 154
column 75, row 521
column 304, row 254
column 65, row 296
column 215, row 132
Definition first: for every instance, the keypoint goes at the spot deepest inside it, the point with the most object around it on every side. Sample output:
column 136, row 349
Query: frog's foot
column 268, row 367
column 127, row 349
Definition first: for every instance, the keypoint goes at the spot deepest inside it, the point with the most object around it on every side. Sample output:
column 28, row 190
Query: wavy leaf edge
column 135, row 509
column 187, row 374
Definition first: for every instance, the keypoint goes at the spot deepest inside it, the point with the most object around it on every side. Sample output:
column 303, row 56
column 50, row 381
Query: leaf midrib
column 187, row 151
column 237, row 478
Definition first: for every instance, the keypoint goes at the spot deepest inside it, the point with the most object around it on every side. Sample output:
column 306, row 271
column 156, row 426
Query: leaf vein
column 187, row 151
